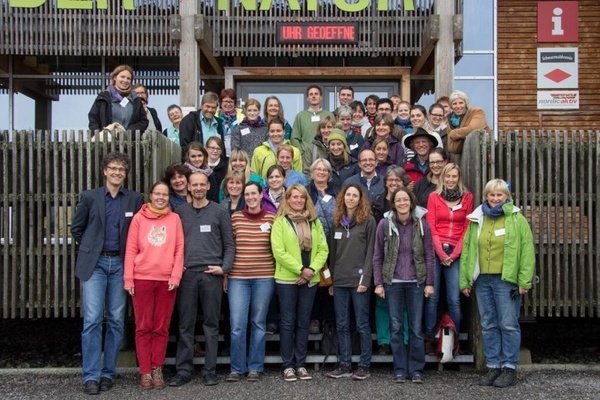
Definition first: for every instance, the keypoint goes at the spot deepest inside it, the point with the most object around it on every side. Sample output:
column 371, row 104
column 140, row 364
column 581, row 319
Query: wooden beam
column 444, row 49
column 203, row 35
column 431, row 35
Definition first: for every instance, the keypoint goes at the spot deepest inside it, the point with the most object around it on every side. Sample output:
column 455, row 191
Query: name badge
column 337, row 236
column 354, row 146
column 128, row 214
column 265, row 227
column 124, row 102
column 500, row 232
column 204, row 228
column 326, row 198
column 245, row 131
column 327, row 274
column 456, row 207
column 315, row 118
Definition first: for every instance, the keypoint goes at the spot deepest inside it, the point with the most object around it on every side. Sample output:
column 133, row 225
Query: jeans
column 499, row 314
column 295, row 304
column 409, row 296
column 452, row 296
column 153, row 306
column 104, row 290
column 209, row 289
column 360, row 302
column 253, row 296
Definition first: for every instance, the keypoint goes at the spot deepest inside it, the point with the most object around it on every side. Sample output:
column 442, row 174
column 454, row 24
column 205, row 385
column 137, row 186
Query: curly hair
column 362, row 212
column 118, row 157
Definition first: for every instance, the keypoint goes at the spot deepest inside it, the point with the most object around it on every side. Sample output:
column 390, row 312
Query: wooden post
column 444, row 50
column 189, row 57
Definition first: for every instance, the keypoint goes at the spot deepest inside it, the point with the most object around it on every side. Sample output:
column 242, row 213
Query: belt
column 110, row 253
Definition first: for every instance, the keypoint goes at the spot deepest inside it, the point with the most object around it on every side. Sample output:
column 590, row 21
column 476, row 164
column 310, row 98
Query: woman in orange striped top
column 250, row 284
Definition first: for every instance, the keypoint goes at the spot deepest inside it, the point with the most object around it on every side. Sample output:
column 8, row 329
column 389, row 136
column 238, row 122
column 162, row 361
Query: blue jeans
column 409, row 296
column 499, row 320
column 360, row 302
column 254, row 296
column 295, row 306
column 452, row 296
column 103, row 290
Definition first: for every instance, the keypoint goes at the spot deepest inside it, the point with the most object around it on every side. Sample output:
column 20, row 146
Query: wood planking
column 517, row 69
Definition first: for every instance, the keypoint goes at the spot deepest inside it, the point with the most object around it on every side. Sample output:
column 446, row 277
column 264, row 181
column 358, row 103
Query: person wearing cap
column 421, row 142
column 343, row 164
column 463, row 120
column 383, row 127
column 319, row 147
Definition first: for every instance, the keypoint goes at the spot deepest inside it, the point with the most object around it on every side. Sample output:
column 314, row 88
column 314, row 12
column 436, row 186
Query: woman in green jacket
column 300, row 249
column 497, row 263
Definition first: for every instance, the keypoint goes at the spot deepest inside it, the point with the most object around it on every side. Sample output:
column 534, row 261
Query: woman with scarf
column 119, row 104
column 403, row 118
column 265, row 155
column 447, row 211
column 275, row 189
column 229, row 115
column 371, row 107
column 462, row 121
column 351, row 269
column 252, row 131
column 438, row 158
column 498, row 264
column 196, row 159
column 343, row 165
column 360, row 122
column 300, row 249
column 436, row 122
column 355, row 140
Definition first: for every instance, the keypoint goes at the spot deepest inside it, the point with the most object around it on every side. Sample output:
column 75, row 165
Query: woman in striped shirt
column 250, row 284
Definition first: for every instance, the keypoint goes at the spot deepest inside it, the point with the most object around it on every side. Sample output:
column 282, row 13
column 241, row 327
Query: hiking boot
column 417, row 377
column 253, row 376
column 507, row 378
column 489, row 378
column 146, row 381
column 342, row 371
column 289, row 375
column 399, row 378
column 158, row 381
column 361, row 374
column 233, row 377
column 303, row 374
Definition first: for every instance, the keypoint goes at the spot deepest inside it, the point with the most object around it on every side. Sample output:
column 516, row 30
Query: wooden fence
column 43, row 174
column 554, row 179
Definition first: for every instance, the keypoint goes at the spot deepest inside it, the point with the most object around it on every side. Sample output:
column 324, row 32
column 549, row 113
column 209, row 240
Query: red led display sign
column 317, row 33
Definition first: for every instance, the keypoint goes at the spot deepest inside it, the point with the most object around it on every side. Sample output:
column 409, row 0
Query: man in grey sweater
column 209, row 252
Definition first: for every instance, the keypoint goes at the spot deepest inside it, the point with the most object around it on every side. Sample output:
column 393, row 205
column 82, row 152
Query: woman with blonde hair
column 239, row 161
column 300, row 249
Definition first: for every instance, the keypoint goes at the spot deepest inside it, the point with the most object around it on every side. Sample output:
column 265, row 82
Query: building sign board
column 558, row 21
column 557, row 68
column 317, row 33
column 558, row 99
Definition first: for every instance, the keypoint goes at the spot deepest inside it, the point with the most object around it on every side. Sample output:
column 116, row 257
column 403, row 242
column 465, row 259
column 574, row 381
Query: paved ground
column 571, row 382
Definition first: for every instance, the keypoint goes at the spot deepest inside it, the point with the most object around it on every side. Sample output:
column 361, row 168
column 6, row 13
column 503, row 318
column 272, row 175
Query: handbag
column 325, row 277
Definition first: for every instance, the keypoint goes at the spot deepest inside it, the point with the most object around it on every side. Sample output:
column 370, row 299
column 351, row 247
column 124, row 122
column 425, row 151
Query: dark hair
column 350, row 88
column 357, row 104
column 173, row 169
column 198, row 147
column 115, row 156
column 172, row 106
column 435, row 105
column 275, row 121
column 155, row 184
column 218, row 141
column 276, row 167
column 314, row 87
column 387, row 119
column 227, row 93
column 420, row 108
column 385, row 100
column 411, row 195
column 373, row 97
column 440, row 151
column 253, row 183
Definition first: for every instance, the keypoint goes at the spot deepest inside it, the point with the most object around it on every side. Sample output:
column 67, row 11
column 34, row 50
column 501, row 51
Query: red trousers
column 153, row 306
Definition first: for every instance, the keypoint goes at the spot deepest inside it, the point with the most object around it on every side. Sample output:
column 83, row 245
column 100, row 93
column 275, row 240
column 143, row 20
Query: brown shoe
column 158, row 381
column 146, row 381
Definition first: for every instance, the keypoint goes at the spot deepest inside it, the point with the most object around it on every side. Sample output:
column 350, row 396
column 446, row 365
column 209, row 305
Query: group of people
column 263, row 211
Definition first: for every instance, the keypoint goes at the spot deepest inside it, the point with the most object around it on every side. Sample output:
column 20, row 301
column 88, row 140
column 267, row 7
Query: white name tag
column 337, row 236
column 457, row 207
column 500, row 232
column 204, row 228
column 326, row 198
column 245, row 131
column 315, row 118
column 124, row 102
column 327, row 274
column 354, row 146
column 128, row 214
column 265, row 227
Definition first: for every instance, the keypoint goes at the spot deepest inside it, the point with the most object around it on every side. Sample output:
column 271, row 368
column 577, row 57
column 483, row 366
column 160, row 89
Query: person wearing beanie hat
column 318, row 149
column 343, row 164
column 463, row 120
column 421, row 142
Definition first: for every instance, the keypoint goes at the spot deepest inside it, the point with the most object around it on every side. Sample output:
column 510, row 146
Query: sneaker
column 507, row 378
column 210, row 379
column 158, row 381
column 314, row 328
column 399, row 378
column 253, row 376
column 303, row 374
column 361, row 374
column 91, row 387
column 233, row 377
column 178, row 380
column 146, row 381
column 384, row 350
column 289, row 375
column 342, row 371
column 417, row 377
column 489, row 378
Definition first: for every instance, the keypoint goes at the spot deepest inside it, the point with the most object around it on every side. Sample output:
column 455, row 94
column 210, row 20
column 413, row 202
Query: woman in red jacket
column 153, row 269
column 447, row 211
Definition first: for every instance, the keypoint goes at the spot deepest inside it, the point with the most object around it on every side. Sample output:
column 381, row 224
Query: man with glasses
column 367, row 178
column 151, row 114
column 437, row 122
column 175, row 116
column 199, row 125
column 100, row 226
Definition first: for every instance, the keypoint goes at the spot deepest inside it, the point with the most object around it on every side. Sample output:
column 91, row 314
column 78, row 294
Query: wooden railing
column 555, row 181
column 43, row 174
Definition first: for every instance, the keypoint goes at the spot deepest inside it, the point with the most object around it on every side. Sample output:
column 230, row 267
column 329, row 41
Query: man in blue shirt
column 100, row 226
column 367, row 177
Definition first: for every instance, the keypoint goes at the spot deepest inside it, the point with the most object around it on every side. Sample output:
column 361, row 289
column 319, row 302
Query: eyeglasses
column 368, row 160
column 116, row 169
column 384, row 109
column 321, row 170
column 393, row 180
column 437, row 115
column 228, row 101
column 436, row 162
column 213, row 148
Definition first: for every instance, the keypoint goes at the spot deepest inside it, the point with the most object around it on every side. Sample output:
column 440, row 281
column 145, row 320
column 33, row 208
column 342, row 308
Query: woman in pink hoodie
column 153, row 269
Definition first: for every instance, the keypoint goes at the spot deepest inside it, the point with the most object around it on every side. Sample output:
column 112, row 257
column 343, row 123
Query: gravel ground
column 544, row 384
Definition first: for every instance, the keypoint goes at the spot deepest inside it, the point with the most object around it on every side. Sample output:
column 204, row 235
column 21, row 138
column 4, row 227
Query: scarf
column 228, row 115
column 493, row 212
column 117, row 94
column 371, row 118
column 346, row 221
column 337, row 161
column 207, row 170
column 156, row 211
column 451, row 194
column 276, row 198
column 300, row 220
column 404, row 123
column 257, row 123
column 456, row 120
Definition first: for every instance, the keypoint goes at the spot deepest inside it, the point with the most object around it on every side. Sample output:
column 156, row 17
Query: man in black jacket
column 199, row 125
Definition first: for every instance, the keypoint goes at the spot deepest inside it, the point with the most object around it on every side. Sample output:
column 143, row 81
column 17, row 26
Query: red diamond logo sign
column 557, row 75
